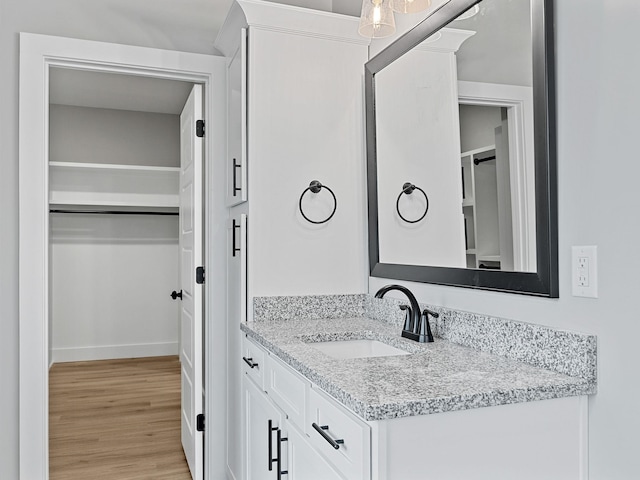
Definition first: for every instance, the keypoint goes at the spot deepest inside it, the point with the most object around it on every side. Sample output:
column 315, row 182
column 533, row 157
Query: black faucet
column 417, row 327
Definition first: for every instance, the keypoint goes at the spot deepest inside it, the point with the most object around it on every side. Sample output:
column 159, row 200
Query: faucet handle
column 427, row 312
column 424, row 330
column 408, row 317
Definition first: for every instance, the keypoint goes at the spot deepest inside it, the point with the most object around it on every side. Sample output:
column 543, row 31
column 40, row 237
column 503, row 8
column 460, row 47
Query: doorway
column 39, row 54
column 513, row 106
column 117, row 157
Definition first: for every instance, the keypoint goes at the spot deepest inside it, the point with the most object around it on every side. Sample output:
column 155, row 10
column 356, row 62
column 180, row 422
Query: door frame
column 37, row 54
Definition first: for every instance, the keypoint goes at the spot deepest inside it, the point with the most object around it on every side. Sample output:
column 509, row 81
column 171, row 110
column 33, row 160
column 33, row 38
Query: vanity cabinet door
column 342, row 439
column 304, row 462
column 237, row 133
column 262, row 423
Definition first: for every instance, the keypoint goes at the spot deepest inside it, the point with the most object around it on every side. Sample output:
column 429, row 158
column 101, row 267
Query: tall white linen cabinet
column 295, row 115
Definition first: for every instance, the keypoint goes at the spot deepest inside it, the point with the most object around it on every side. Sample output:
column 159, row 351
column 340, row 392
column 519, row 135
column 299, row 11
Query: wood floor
column 116, row 420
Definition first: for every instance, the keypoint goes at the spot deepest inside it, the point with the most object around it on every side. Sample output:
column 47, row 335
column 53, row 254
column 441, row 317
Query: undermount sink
column 357, row 349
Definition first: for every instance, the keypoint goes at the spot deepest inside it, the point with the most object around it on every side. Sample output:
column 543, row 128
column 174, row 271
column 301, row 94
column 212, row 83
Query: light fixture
column 376, row 19
column 410, row 6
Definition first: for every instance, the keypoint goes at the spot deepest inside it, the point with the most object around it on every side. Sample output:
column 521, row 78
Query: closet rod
column 478, row 161
column 112, row 212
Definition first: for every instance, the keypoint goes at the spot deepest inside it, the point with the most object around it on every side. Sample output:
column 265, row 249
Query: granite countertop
column 436, row 377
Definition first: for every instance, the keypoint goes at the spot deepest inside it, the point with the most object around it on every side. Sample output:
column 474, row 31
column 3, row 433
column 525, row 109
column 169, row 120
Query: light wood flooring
column 116, row 420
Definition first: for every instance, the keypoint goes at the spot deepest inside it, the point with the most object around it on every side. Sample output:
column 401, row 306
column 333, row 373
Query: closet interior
column 114, row 168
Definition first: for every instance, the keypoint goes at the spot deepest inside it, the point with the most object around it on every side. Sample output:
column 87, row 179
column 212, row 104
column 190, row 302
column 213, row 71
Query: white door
column 191, row 257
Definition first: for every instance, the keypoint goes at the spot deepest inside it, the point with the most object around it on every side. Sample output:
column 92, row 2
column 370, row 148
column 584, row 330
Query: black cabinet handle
column 321, row 430
column 175, row 295
column 249, row 361
column 236, row 189
column 280, row 439
column 270, row 429
column 234, row 250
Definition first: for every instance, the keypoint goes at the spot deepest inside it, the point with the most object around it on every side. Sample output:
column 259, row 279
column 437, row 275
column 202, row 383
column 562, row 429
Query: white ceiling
column 85, row 88
column 187, row 25
column 500, row 51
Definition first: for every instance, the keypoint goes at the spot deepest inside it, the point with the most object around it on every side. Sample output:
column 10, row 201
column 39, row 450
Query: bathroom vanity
column 436, row 410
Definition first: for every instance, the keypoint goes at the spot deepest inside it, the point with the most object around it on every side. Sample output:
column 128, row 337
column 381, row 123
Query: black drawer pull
column 321, row 430
column 249, row 361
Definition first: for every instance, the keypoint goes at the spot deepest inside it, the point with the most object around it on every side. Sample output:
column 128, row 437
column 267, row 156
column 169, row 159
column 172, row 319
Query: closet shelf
column 112, row 166
column 111, row 185
column 488, row 258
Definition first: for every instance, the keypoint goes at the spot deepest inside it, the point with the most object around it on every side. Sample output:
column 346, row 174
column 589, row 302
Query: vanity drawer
column 287, row 389
column 352, row 436
column 253, row 361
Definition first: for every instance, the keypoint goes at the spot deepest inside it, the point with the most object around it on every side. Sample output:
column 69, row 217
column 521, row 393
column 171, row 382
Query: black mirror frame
column 544, row 282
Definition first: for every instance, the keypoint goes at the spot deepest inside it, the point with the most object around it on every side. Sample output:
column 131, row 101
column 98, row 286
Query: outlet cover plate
column 584, row 271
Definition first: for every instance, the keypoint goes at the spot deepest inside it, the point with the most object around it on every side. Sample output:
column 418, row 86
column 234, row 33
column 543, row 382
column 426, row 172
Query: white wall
column 111, row 280
column 477, row 126
column 597, row 70
column 102, row 135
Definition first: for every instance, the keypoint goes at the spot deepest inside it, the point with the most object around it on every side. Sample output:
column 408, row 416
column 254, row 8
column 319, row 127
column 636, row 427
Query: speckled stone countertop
column 436, row 377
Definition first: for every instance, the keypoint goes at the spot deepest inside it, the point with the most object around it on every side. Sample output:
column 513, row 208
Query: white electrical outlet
column 584, row 271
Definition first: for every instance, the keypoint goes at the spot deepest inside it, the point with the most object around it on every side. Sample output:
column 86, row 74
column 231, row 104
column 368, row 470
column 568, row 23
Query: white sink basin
column 357, row 349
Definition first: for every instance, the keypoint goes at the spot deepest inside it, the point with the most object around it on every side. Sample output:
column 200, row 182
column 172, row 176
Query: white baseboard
column 105, row 352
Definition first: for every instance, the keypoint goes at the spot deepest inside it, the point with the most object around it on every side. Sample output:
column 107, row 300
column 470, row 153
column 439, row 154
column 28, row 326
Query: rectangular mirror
column 461, row 150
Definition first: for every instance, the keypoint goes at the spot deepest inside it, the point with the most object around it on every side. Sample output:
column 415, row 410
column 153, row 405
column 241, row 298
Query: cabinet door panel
column 261, row 421
column 305, row 463
column 287, row 390
column 237, row 136
column 236, row 314
column 352, row 456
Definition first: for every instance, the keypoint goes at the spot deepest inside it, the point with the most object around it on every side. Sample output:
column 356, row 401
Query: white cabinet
column 304, row 461
column 262, row 434
column 274, row 447
column 326, row 441
column 295, row 103
column 279, row 409
column 237, row 119
column 339, row 436
column 295, row 121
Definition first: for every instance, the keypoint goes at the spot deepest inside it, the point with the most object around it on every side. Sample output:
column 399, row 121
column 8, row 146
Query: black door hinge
column 200, row 275
column 200, row 128
column 200, row 422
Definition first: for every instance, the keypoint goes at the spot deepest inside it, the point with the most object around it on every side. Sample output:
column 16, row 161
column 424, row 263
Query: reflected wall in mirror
column 453, row 110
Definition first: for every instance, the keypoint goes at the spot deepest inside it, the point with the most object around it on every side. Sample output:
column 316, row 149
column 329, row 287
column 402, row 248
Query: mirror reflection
column 454, row 140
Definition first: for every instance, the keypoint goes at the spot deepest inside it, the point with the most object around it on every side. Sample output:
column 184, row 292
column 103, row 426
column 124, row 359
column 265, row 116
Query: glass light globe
column 376, row 19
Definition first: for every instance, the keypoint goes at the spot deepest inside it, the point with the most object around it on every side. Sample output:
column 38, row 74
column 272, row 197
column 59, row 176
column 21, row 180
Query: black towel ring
column 408, row 189
column 314, row 187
